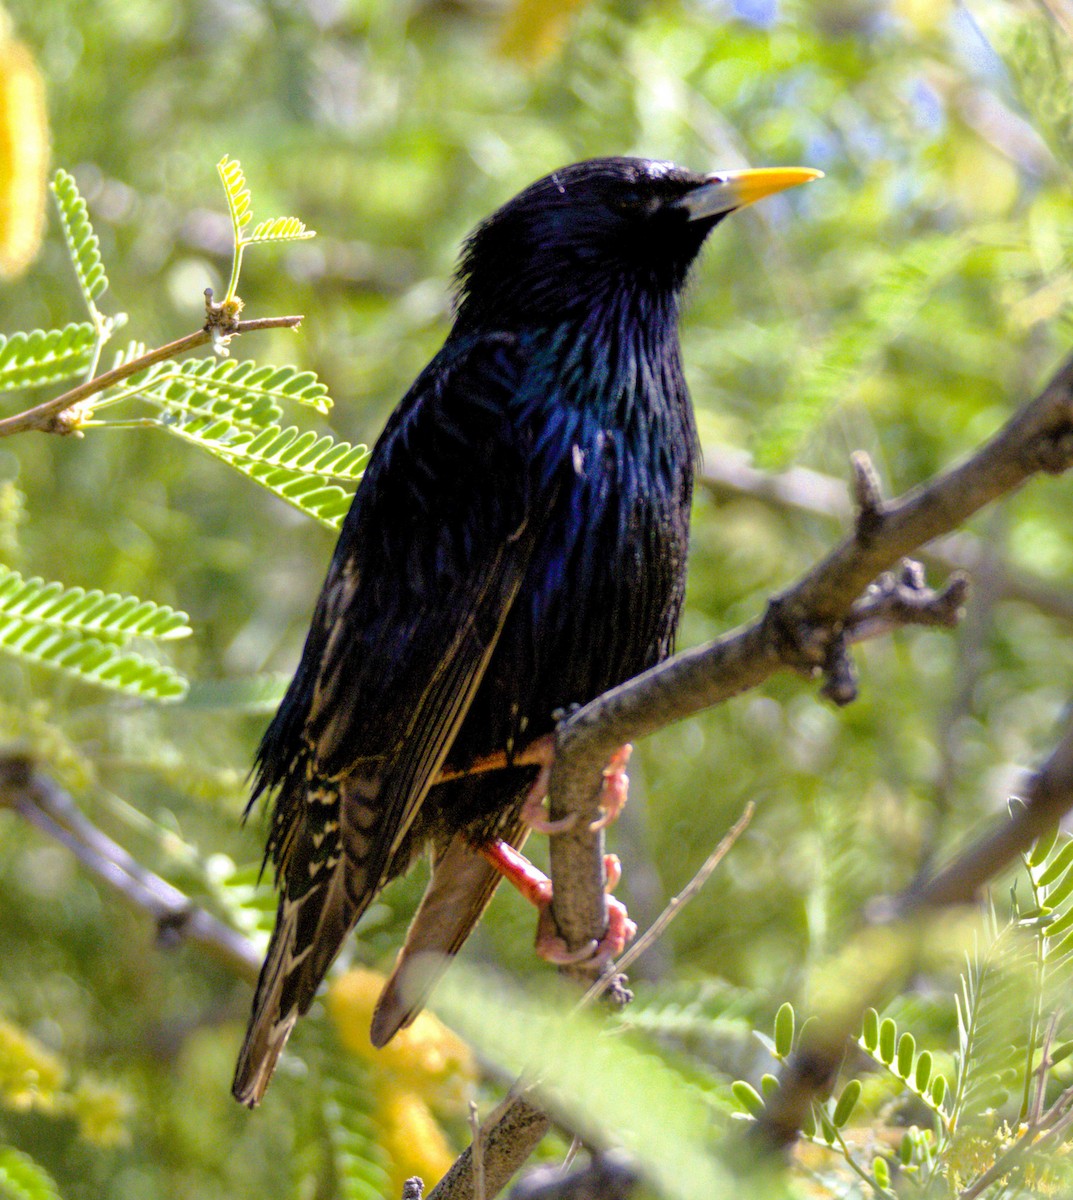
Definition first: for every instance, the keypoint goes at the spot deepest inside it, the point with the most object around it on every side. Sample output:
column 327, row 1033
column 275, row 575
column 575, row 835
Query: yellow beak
column 727, row 190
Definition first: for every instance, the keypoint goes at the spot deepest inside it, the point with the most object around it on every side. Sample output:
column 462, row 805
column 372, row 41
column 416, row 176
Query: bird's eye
column 630, row 201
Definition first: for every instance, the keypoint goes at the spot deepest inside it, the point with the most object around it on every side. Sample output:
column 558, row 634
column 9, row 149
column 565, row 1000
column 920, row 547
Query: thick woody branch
column 726, row 475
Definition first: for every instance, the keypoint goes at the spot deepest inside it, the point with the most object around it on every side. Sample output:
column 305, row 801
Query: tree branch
column 726, row 475
column 42, row 802
column 805, row 629
column 49, row 416
column 810, row 1071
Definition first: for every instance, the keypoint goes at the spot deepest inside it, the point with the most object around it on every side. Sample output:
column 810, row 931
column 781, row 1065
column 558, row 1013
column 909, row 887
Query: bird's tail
column 461, row 886
column 325, row 889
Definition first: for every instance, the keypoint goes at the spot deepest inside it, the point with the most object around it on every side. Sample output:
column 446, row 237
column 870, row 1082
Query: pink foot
column 535, row 886
column 620, row 932
column 616, row 788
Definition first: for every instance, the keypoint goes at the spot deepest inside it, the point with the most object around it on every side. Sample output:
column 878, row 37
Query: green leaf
column 748, row 1097
column 922, row 1073
column 784, row 1030
column 1043, row 846
column 769, row 1085
column 881, row 1172
column 1056, row 866
column 107, row 616
column 22, row 1179
column 294, row 466
column 847, row 1102
column 82, row 242
column 887, row 1034
column 279, row 229
column 870, row 1030
column 937, row 1089
column 1061, row 890
column 238, row 388
column 1059, row 926
column 906, row 1049
column 89, row 659
column 45, row 356
column 236, row 191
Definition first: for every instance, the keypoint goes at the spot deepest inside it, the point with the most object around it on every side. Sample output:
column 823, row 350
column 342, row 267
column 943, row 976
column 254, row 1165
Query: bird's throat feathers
column 619, row 368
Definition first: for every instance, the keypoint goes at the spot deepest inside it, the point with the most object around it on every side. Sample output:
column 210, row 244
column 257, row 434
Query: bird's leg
column 535, row 886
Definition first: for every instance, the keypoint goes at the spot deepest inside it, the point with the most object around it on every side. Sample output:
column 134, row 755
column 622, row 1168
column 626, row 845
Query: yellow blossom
column 23, row 154
column 425, row 1052
column 411, row 1136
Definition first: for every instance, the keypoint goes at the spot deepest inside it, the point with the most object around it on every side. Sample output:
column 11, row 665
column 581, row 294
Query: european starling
column 517, row 545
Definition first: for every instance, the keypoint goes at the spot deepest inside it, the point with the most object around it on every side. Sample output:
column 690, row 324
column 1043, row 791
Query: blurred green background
column 905, row 305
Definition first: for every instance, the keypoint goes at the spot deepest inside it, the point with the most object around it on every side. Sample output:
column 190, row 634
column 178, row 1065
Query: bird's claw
column 615, row 788
column 550, row 945
column 612, row 871
column 535, row 816
column 620, row 932
column 534, row 813
column 612, row 797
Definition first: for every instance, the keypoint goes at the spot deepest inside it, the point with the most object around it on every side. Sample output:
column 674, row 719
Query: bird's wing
column 429, row 560
column 427, row 567
column 459, row 890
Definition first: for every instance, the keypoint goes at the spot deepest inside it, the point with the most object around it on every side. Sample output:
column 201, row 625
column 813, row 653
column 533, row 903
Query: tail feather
column 460, row 889
column 310, row 931
column 327, row 877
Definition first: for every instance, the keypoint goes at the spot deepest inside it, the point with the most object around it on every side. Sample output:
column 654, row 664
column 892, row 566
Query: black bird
column 517, row 545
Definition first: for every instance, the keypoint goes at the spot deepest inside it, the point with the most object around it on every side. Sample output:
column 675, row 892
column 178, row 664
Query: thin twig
column 42, row 802
column 674, row 906
column 476, row 1132
column 1044, row 1067
column 47, row 417
column 571, row 1153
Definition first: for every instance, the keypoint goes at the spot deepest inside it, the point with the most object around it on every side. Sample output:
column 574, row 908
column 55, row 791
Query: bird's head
column 598, row 229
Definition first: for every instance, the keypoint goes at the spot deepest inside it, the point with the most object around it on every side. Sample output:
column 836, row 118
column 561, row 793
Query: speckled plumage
column 517, row 545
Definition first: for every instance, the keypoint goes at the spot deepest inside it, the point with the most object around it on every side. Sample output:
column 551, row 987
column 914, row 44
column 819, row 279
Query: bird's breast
column 601, row 598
